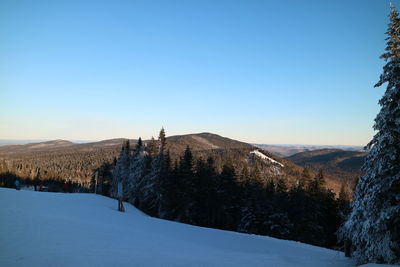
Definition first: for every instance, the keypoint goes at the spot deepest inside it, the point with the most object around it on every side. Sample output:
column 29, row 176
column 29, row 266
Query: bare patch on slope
column 205, row 142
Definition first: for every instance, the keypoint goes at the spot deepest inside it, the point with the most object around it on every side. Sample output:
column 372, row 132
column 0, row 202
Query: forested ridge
column 339, row 165
column 63, row 160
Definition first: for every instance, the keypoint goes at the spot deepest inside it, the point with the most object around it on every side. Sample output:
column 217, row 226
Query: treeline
column 195, row 191
column 72, row 165
column 50, row 185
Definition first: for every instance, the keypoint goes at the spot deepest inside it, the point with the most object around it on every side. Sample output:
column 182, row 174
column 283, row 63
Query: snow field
column 57, row 229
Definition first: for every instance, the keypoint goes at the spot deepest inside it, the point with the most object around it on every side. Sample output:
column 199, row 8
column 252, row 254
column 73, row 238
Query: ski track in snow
column 261, row 155
column 57, row 229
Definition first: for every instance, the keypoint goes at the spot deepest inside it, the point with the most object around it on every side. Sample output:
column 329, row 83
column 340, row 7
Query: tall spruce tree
column 373, row 227
column 317, row 184
column 139, row 145
column 305, row 179
column 162, row 140
column 152, row 147
column 137, row 168
column 166, row 187
column 228, row 198
column 186, row 187
column 158, row 168
column 121, row 170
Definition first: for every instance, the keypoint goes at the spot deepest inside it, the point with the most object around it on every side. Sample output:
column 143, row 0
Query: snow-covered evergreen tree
column 136, row 173
column 373, row 227
column 249, row 223
column 121, row 170
column 150, row 185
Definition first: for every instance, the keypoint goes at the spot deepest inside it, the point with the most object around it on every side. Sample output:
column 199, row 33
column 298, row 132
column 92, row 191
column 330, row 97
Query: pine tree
column 162, row 140
column 121, row 170
column 304, row 179
column 343, row 201
column 253, row 214
column 317, row 184
column 208, row 178
column 150, row 187
column 139, row 145
column 137, row 171
column 199, row 211
column 152, row 147
column 187, row 189
column 166, row 187
column 127, row 145
column 344, row 196
column 373, row 227
column 170, row 192
column 228, row 198
column 159, row 169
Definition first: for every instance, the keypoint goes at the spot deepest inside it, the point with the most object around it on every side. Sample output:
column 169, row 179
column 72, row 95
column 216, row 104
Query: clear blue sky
column 279, row 72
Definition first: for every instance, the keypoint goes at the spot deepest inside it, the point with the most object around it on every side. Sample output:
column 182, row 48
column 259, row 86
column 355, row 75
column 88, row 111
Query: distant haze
column 23, row 142
column 287, row 150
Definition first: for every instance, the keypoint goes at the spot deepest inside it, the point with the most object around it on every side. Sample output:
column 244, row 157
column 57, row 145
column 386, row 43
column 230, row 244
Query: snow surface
column 261, row 155
column 57, row 229
column 377, row 265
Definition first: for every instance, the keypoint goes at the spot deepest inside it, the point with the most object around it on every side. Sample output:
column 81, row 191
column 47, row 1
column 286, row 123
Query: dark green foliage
column 162, row 140
column 187, row 187
column 196, row 192
column 304, row 179
column 139, row 145
column 152, row 148
column 339, row 165
column 318, row 183
column 104, row 178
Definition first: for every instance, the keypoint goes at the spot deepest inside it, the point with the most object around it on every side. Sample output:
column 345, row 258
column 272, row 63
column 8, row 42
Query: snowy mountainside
column 56, row 229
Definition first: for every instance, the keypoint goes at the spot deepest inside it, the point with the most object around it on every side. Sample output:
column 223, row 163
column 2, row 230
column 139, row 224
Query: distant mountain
column 176, row 144
column 339, row 165
column 282, row 151
column 289, row 150
column 60, row 145
column 8, row 142
column 202, row 142
column 47, row 145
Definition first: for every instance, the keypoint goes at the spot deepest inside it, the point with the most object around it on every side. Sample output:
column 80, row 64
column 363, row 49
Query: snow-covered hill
column 56, row 229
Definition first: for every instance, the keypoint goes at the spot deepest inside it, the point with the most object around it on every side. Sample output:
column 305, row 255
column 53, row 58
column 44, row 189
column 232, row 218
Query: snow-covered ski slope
column 56, row 229
column 261, row 155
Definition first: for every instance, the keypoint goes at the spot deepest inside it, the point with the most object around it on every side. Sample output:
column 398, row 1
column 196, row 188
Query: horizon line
column 28, row 141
